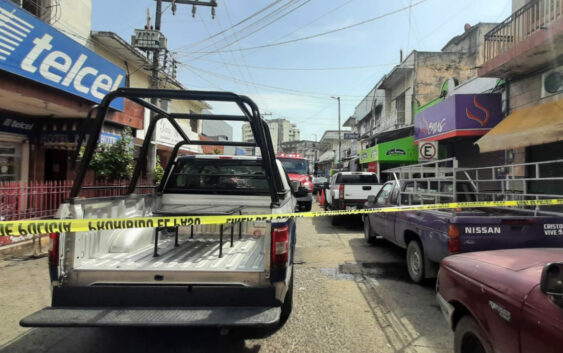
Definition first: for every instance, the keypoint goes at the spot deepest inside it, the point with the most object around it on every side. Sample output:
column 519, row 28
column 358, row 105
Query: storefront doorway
column 56, row 163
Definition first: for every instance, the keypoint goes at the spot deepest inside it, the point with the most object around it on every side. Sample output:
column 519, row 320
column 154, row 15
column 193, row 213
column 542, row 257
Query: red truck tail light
column 453, row 241
column 280, row 246
column 54, row 249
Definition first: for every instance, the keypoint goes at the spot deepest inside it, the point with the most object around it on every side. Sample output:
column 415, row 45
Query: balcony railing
column 533, row 17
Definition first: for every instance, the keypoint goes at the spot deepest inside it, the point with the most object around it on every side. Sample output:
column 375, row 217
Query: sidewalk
column 24, row 289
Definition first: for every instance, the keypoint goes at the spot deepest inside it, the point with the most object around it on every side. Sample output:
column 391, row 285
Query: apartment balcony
column 530, row 39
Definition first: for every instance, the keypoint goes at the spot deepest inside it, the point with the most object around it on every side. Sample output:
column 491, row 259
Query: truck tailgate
column 504, row 232
column 360, row 192
column 195, row 316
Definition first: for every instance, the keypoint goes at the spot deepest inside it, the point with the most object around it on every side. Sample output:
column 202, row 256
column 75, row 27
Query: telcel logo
column 60, row 68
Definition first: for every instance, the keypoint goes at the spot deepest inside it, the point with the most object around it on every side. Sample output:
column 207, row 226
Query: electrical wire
column 252, row 33
column 323, row 33
column 302, row 68
column 232, row 26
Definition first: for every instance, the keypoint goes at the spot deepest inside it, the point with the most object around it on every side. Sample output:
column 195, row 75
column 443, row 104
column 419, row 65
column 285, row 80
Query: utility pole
column 154, row 41
column 339, row 133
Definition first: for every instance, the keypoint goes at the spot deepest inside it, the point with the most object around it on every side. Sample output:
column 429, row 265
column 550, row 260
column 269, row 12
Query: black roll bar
column 138, row 95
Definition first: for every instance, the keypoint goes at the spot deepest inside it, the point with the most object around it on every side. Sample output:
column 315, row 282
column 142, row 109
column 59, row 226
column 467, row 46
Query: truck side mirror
column 295, row 184
column 552, row 282
column 371, row 199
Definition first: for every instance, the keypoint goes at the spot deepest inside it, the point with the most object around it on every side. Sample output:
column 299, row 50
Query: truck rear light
column 453, row 241
column 54, row 249
column 280, row 246
column 341, row 192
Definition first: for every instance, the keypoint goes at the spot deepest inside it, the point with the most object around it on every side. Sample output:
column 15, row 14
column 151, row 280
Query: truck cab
column 297, row 168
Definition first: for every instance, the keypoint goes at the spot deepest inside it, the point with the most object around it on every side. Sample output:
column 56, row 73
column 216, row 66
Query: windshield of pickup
column 359, row 179
column 217, row 176
column 295, row 166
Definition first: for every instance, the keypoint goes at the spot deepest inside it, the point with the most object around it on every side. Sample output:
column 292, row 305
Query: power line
column 232, row 26
column 323, row 33
column 254, row 32
column 301, row 68
column 282, row 89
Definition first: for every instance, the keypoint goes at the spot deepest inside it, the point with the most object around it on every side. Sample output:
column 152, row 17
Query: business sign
column 351, row 136
column 427, row 151
column 17, row 125
column 397, row 151
column 32, row 49
column 369, row 155
column 459, row 115
column 108, row 138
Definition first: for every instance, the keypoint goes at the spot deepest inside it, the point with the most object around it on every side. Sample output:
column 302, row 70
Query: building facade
column 307, row 149
column 51, row 80
column 526, row 51
column 281, row 130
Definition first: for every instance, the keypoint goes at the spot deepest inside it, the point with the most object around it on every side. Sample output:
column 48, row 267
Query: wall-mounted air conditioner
column 552, row 82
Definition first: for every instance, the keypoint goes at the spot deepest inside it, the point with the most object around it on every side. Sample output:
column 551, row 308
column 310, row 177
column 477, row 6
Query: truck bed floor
column 198, row 254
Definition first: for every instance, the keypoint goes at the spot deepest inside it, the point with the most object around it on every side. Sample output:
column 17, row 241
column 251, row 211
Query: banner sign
column 32, row 49
column 459, row 115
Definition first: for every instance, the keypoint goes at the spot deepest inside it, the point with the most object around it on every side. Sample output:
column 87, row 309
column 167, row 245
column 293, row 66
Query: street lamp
column 339, row 134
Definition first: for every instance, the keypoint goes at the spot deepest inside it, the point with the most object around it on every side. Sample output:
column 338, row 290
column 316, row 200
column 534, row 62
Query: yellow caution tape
column 28, row 227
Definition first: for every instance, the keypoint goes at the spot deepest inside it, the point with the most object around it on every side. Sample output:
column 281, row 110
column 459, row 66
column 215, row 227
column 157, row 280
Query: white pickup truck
column 226, row 276
column 350, row 190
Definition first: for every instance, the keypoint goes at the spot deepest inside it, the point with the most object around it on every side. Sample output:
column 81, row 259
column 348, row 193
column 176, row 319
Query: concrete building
column 387, row 112
column 281, row 130
column 45, row 98
column 219, row 131
column 307, row 149
column 526, row 50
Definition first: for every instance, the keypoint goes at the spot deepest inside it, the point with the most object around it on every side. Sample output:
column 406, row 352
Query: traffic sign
column 427, row 150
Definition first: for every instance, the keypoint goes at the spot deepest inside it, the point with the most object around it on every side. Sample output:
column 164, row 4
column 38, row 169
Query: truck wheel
column 469, row 338
column 368, row 234
column 307, row 206
column 415, row 261
column 287, row 305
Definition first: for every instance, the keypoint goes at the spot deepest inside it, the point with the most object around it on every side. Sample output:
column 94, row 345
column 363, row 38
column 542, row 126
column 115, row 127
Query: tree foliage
column 158, row 172
column 114, row 161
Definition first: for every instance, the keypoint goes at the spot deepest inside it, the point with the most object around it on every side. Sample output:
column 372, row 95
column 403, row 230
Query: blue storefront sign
column 35, row 50
column 107, row 138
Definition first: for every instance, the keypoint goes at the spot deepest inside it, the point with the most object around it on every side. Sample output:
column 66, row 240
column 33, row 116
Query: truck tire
column 306, row 206
column 469, row 338
column 265, row 332
column 368, row 233
column 415, row 261
column 287, row 305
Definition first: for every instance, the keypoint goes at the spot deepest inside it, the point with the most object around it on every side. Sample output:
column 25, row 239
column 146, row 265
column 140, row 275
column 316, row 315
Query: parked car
column 504, row 300
column 350, row 190
column 297, row 168
column 430, row 235
column 226, row 276
column 318, row 184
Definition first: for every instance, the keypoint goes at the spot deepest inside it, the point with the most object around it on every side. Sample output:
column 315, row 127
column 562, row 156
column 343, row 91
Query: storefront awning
column 327, row 156
column 531, row 126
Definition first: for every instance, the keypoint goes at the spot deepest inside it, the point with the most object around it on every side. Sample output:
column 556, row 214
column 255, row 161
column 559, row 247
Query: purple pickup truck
column 429, row 236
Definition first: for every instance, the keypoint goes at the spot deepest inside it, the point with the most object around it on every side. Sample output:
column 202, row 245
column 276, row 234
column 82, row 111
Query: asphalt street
column 349, row 297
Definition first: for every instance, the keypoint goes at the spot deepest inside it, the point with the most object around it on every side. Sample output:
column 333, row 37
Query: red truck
column 297, row 169
column 504, row 300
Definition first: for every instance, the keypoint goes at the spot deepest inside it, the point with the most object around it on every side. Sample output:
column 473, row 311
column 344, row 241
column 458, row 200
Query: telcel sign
column 35, row 50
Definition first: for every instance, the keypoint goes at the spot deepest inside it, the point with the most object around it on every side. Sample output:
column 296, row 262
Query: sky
column 296, row 80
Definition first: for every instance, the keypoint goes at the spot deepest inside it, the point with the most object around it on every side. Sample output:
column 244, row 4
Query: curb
column 24, row 248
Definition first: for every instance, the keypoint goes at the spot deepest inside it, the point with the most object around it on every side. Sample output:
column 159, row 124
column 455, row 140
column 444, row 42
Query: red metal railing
column 41, row 199
column 535, row 16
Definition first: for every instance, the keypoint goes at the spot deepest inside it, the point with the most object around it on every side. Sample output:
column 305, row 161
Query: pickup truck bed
column 199, row 254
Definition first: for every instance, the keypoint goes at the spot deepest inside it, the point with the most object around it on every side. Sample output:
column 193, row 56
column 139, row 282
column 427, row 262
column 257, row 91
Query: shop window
column 10, row 161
